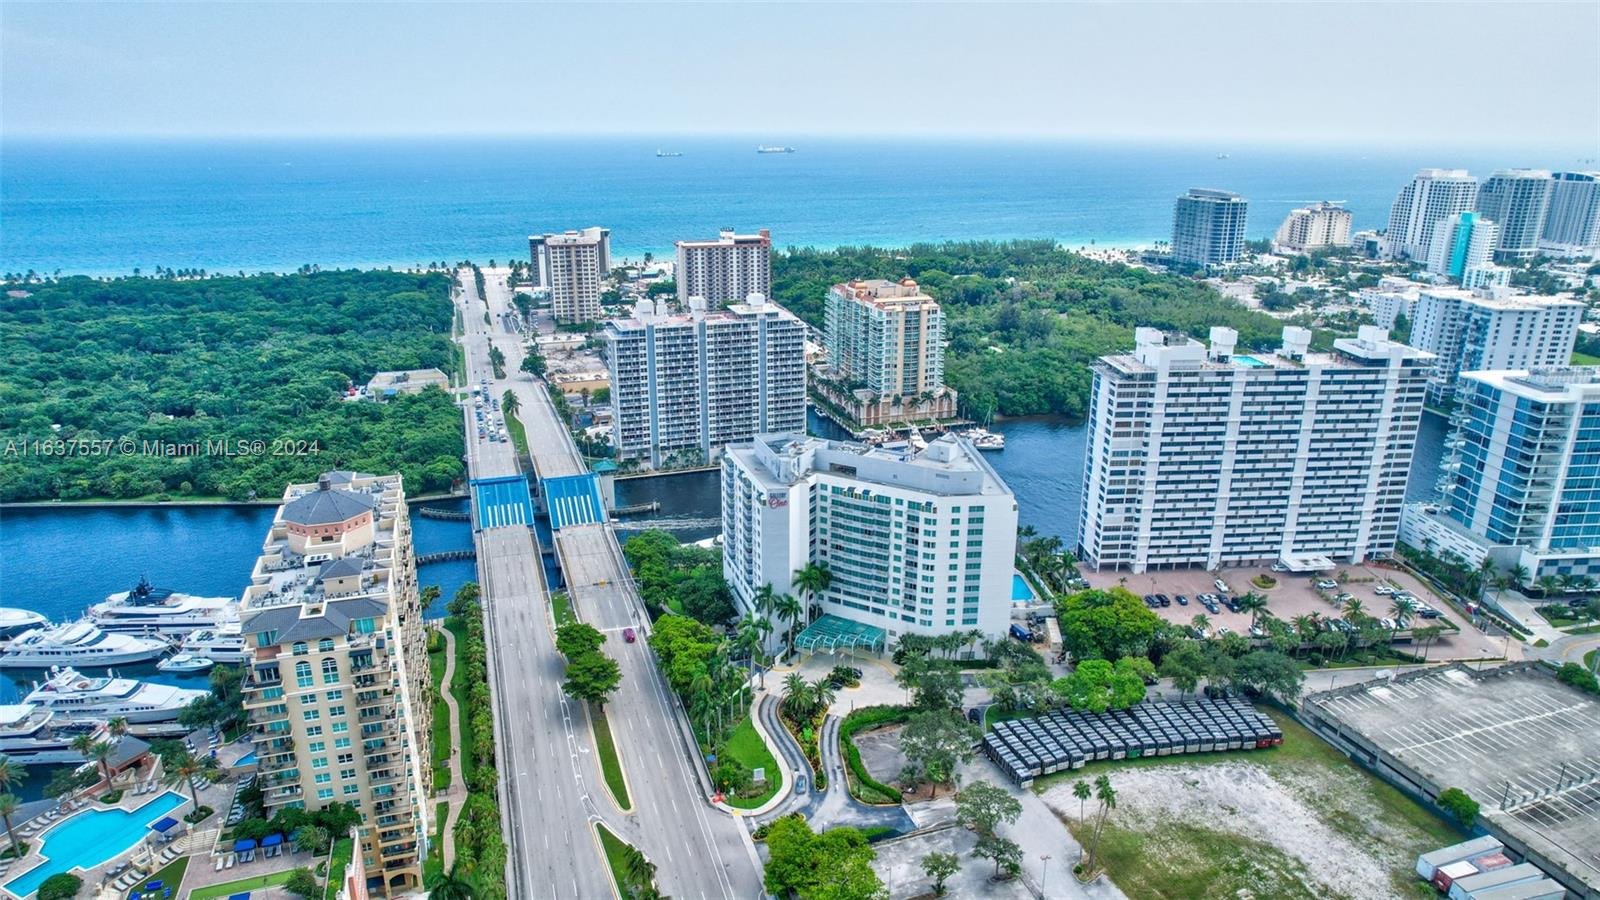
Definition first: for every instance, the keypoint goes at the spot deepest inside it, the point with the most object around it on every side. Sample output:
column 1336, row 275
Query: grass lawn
column 1178, row 858
column 519, row 435
column 241, row 886
column 433, row 864
column 613, row 846
column 458, row 689
column 1587, row 629
column 1584, row 359
column 610, row 765
column 170, row 876
column 441, row 721
column 561, row 605
column 746, row 746
column 344, row 850
column 1588, row 660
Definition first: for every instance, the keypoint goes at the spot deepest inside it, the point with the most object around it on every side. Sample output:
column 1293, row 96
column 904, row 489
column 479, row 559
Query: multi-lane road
column 552, row 790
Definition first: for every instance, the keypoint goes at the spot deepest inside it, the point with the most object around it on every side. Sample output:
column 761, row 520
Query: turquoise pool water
column 249, row 759
column 1020, row 592
column 1249, row 362
column 90, row 838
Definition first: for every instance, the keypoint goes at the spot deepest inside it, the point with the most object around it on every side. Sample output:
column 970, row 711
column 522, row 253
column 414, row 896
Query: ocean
column 108, row 207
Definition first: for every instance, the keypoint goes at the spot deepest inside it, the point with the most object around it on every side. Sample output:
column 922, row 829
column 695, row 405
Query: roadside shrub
column 1461, row 807
column 303, row 884
column 864, row 787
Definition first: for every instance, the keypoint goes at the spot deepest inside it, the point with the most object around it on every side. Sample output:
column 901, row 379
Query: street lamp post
column 1044, row 870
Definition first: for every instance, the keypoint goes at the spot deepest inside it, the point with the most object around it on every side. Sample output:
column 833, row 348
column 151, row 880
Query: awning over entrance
column 1301, row 563
column 835, row 633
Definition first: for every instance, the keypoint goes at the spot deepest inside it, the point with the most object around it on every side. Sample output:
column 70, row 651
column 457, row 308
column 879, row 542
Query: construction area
column 1515, row 739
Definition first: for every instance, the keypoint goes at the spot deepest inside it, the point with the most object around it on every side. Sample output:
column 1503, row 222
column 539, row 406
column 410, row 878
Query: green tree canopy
column 1105, row 624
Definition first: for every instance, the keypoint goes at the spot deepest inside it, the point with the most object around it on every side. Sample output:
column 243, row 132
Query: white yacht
column 150, row 610
column 77, row 644
column 185, row 664
column 78, row 698
column 984, row 439
column 34, row 736
column 222, row 644
column 15, row 621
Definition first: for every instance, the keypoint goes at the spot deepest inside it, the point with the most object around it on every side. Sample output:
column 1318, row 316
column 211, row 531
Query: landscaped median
column 605, row 746
column 632, row 875
column 592, row 677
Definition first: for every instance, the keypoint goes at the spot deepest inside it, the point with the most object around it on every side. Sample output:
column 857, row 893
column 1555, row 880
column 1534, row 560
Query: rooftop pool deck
column 1250, row 362
column 91, row 838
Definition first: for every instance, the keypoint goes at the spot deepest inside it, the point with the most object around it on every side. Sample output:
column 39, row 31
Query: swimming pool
column 1250, row 362
column 87, row 839
column 249, row 759
column 1020, row 592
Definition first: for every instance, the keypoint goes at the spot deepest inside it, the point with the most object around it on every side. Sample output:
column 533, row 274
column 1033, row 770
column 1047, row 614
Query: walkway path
column 834, row 806
column 456, row 794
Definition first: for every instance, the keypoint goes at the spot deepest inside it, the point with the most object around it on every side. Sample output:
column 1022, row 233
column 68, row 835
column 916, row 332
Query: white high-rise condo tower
column 1472, row 330
column 1572, row 224
column 690, row 383
column 1203, row 457
column 726, row 270
column 1432, row 196
column 572, row 265
column 1208, row 227
column 1516, row 200
column 918, row 542
column 1315, row 227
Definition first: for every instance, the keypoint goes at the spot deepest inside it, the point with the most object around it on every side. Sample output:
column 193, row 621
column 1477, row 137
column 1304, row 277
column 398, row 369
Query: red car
column 627, row 635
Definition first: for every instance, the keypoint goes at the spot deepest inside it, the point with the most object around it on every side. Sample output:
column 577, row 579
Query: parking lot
column 1296, row 595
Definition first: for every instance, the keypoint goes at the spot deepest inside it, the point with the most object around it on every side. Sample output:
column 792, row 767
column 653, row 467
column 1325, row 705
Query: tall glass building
column 1522, row 477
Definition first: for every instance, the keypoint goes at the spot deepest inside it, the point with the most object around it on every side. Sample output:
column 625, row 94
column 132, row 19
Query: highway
column 551, row 784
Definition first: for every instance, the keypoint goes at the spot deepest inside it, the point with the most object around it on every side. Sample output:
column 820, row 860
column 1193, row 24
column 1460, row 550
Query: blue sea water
column 107, row 207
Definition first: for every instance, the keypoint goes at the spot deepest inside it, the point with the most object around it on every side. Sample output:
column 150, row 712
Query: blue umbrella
column 243, row 845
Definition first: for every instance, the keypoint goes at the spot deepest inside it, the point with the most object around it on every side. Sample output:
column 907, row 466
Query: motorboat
column 15, row 621
column 150, row 610
column 78, row 644
column 77, row 697
column 766, row 149
column 223, row 644
column 35, row 736
column 984, row 439
column 185, row 663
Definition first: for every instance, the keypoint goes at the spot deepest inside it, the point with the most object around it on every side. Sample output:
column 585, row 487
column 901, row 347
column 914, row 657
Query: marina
column 31, row 735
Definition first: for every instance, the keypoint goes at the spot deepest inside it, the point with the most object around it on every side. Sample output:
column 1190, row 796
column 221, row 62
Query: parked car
column 1279, row 567
column 1428, row 612
column 1327, row 584
column 1163, row 599
column 1383, row 590
column 1018, row 632
column 1221, row 585
column 1182, row 600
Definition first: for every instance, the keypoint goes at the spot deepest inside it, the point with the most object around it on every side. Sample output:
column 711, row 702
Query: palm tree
column 451, row 885
column 509, row 404
column 811, row 580
column 796, row 695
column 1547, row 585
column 1306, row 628
column 1402, row 610
column 1254, row 604
column 11, row 774
column 1080, row 789
column 1201, row 623
column 764, row 600
column 822, row 695
column 101, row 753
column 118, row 726
column 1108, row 801
column 752, row 632
column 184, row 769
column 637, row 869
column 8, row 808
column 1354, row 610
column 789, row 609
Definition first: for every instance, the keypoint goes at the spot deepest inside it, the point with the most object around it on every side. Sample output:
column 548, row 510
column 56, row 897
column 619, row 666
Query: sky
column 1360, row 73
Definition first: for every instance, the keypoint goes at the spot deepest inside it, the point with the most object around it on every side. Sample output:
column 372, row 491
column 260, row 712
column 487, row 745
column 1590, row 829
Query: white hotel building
column 918, row 542
column 1203, row 458
column 725, row 270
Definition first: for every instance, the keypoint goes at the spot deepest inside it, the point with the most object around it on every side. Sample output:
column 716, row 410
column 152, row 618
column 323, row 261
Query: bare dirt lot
column 1295, row 595
column 1298, row 821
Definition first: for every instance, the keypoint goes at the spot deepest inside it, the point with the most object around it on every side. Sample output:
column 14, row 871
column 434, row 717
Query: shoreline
column 152, row 504
column 629, row 256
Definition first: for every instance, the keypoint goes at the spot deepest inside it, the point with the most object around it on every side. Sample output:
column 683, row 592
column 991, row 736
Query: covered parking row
column 1067, row 739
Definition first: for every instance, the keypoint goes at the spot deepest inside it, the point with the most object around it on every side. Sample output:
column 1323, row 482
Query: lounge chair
column 218, row 865
column 229, row 863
